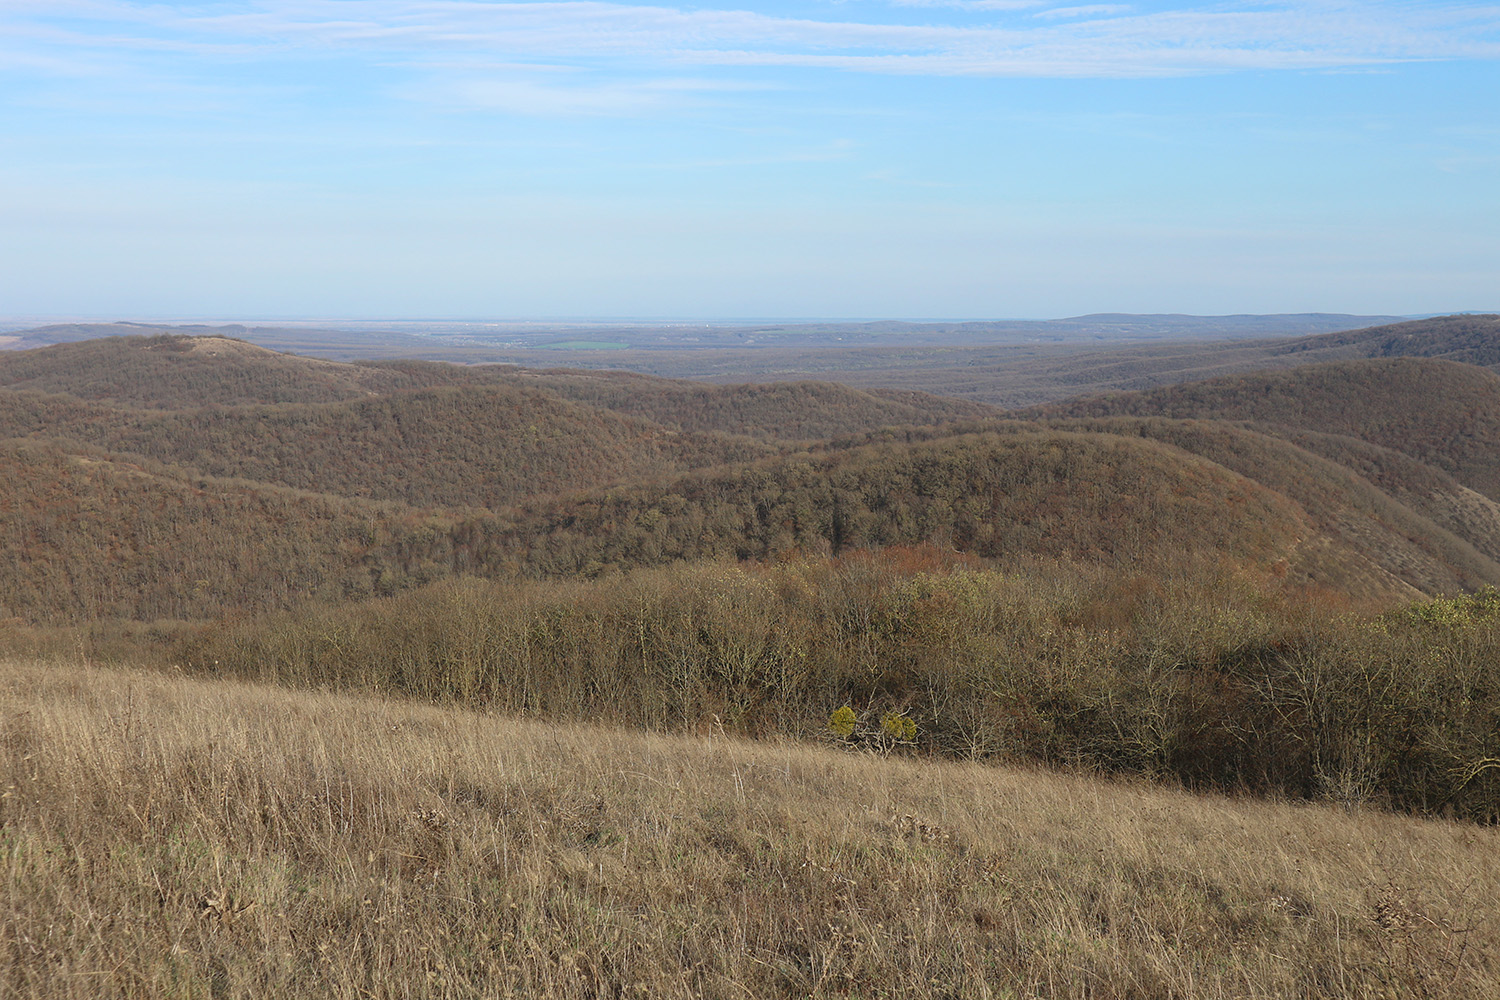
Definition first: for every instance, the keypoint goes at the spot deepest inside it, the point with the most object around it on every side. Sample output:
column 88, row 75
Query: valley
column 1112, row 608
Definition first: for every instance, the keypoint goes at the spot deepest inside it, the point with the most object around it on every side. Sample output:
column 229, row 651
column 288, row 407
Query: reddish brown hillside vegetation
column 1442, row 413
column 452, row 447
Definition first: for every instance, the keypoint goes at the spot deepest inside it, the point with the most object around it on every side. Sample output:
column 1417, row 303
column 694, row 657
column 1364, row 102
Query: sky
column 918, row 159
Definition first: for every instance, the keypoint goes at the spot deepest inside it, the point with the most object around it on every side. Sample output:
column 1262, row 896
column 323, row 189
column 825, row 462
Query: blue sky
column 860, row 158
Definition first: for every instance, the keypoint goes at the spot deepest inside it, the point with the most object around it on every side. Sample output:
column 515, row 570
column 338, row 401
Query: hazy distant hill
column 1004, row 364
column 177, row 372
column 335, row 344
column 492, row 341
column 1025, row 374
column 1474, row 340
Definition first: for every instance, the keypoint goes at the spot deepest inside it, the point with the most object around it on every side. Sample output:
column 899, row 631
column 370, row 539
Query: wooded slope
column 456, row 447
column 172, row 372
column 1366, row 478
column 1441, row 413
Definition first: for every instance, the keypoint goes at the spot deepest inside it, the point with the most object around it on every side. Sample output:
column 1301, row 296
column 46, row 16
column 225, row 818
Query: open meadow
column 165, row 836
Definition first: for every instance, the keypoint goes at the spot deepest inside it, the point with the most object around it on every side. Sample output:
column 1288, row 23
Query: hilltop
column 1471, row 339
column 177, row 371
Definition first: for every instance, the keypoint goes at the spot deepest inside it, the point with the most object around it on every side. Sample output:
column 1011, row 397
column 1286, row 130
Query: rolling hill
column 90, row 534
column 457, row 447
column 86, row 536
column 799, row 410
column 176, row 372
column 1371, row 478
column 1471, row 339
column 1223, row 586
column 1441, row 413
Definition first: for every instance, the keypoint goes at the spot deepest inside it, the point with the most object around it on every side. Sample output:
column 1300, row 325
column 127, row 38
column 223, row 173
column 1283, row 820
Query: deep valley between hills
column 412, row 678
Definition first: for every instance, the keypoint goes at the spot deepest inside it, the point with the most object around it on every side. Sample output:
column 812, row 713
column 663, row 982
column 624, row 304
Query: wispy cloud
column 973, row 5
column 549, row 91
column 1087, row 10
column 1096, row 40
column 829, row 152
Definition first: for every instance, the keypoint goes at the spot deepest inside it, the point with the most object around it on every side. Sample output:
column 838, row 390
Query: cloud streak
column 1019, row 38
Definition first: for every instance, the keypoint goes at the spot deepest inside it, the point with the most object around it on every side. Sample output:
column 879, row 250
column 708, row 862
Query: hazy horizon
column 16, row 322
column 789, row 158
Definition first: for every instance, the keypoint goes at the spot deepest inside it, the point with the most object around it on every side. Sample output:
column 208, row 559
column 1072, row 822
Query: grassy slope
column 170, row 837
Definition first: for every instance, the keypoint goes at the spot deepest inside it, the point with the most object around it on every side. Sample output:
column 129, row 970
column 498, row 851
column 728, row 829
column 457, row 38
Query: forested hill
column 455, row 447
column 1005, row 492
column 87, row 536
column 172, row 372
column 169, row 371
column 1353, row 478
column 1471, row 339
column 92, row 535
column 1441, row 413
column 787, row 410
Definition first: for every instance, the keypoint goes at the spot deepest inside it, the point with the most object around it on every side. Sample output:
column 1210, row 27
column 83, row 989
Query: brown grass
column 169, row 837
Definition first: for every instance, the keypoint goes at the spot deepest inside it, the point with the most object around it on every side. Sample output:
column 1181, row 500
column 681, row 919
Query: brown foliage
column 163, row 836
column 1439, row 412
column 1209, row 676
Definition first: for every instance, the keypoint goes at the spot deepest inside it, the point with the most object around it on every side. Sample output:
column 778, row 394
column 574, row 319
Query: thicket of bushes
column 1200, row 678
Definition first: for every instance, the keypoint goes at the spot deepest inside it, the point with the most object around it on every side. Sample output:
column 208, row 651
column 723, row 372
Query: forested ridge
column 1442, row 413
column 1196, row 581
column 453, row 447
column 1332, row 476
column 1469, row 338
column 89, row 537
column 177, row 373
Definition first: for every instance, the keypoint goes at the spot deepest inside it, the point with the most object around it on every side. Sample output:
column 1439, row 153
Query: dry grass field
column 170, row 837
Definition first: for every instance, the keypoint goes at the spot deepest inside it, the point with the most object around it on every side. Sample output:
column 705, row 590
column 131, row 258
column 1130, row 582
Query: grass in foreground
column 170, row 837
